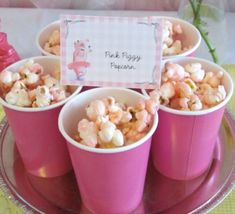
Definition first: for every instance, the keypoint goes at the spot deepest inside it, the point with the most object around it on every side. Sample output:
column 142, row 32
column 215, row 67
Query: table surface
column 22, row 26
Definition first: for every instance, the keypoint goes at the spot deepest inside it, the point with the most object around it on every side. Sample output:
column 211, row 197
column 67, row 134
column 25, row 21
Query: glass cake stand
column 161, row 194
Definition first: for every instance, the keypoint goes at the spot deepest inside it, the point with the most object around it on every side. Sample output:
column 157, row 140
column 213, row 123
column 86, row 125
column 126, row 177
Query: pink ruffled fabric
column 95, row 4
column 16, row 3
column 163, row 5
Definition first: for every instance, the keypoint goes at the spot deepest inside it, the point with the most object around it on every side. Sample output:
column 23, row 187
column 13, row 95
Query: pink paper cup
column 190, row 37
column 184, row 142
column 110, row 180
column 40, row 144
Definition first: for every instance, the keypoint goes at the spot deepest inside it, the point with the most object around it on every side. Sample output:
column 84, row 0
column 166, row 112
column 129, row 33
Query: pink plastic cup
column 39, row 142
column 190, row 37
column 184, row 142
column 110, row 180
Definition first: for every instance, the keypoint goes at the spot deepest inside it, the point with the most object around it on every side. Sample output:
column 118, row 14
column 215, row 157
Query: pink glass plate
column 161, row 194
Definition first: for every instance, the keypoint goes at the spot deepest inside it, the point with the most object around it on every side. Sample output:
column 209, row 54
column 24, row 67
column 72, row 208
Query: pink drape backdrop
column 102, row 4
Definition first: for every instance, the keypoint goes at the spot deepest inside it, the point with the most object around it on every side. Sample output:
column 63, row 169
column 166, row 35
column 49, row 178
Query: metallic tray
column 161, row 194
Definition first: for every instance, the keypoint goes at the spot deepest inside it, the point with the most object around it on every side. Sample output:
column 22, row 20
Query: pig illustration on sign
column 80, row 63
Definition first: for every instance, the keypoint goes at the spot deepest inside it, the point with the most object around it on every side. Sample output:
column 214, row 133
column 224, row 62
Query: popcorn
column 118, row 139
column 190, row 88
column 43, row 96
column 106, row 132
column 54, row 38
column 30, row 87
column 95, row 109
column 88, row 132
column 174, row 49
column 53, row 44
column 171, row 43
column 196, row 72
column 6, row 77
column 110, row 124
column 23, row 98
column 49, row 81
column 11, row 97
column 57, row 94
column 31, row 78
column 167, row 90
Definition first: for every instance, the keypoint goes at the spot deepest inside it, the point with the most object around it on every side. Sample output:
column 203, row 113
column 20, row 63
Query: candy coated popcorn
column 190, row 87
column 95, row 109
column 106, row 132
column 110, row 124
column 53, row 44
column 31, row 87
column 88, row 132
column 118, row 138
column 171, row 43
column 196, row 72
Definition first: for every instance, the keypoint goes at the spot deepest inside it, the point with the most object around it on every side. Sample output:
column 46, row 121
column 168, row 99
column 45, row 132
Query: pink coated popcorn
column 18, row 97
column 95, row 109
column 190, row 87
column 53, row 44
column 171, row 44
column 106, row 132
column 196, row 72
column 30, row 87
column 174, row 72
column 118, row 138
column 58, row 94
column 151, row 106
column 87, row 131
column 167, row 91
column 110, row 124
column 126, row 117
column 43, row 96
column 7, row 78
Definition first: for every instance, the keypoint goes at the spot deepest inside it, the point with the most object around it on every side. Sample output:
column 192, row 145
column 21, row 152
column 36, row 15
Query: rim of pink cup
column 200, row 112
column 173, row 19
column 100, row 150
column 38, row 109
column 39, row 34
column 195, row 31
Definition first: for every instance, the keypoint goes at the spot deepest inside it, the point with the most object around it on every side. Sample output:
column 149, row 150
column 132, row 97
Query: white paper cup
column 44, row 35
column 190, row 37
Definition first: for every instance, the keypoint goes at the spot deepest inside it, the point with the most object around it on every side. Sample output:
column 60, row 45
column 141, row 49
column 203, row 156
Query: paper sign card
column 111, row 51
